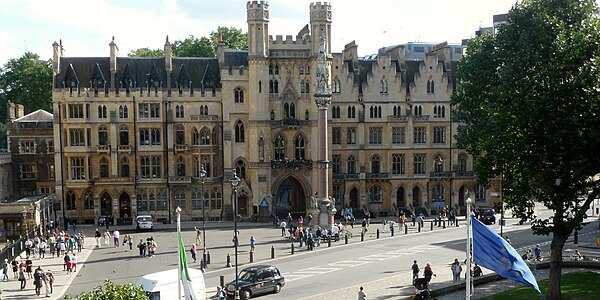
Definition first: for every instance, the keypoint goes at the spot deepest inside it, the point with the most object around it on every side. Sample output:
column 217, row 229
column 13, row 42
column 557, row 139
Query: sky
column 86, row 27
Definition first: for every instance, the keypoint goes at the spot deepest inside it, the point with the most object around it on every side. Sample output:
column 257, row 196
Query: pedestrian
column 116, row 236
column 42, row 248
column 22, row 278
column 538, row 252
column 301, row 221
column 415, row 270
column 193, row 250
column 283, row 225
column 46, row 282
column 428, row 272
column 252, row 243
column 364, row 226
column 142, row 247
column 5, row 270
column 67, row 262
column 106, row 237
column 477, row 271
column 97, row 236
column 79, row 242
column 456, row 270
column 29, row 267
column 74, row 260
column 15, row 267
column 37, row 280
column 50, row 278
column 198, row 235
column 130, row 242
column 362, row 295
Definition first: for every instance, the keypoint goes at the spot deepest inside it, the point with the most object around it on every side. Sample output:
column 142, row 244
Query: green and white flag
column 186, row 278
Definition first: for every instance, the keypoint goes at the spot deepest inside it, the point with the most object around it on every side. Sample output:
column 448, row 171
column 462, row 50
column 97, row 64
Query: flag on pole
column 186, row 279
column 491, row 251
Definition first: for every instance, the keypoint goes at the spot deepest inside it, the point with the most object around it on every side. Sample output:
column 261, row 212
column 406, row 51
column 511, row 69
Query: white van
column 163, row 285
column 144, row 222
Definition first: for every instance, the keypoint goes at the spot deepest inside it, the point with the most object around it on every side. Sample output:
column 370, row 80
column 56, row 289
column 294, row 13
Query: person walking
column 97, row 236
column 29, row 267
column 22, row 278
column 283, row 225
column 193, row 250
column 5, row 270
column 116, row 236
column 477, row 271
column 106, row 237
column 415, row 270
column 456, row 270
column 74, row 260
column 15, row 267
column 252, row 243
column 362, row 295
column 130, row 242
column 50, row 278
column 198, row 235
column 67, row 262
column 428, row 272
column 37, row 280
column 42, row 248
column 142, row 247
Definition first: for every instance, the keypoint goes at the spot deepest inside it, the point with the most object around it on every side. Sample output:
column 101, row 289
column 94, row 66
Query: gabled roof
column 36, row 116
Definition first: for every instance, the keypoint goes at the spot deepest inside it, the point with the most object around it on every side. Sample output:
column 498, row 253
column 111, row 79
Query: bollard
column 405, row 229
column 414, row 220
column 222, row 281
column 377, row 233
column 439, row 224
column 292, row 248
column 203, row 263
column 329, row 241
column 456, row 222
column 444, row 222
column 419, row 227
column 346, row 238
column 208, row 257
column 272, row 251
column 362, row 236
column 432, row 226
column 228, row 260
column 251, row 256
column 392, row 230
column 575, row 237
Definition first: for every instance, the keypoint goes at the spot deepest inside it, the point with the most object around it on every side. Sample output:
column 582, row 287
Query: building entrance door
column 354, row 198
column 400, row 197
column 290, row 198
column 125, row 206
column 105, row 205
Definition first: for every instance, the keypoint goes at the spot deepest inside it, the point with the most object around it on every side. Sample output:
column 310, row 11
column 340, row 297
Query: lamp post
column 25, row 222
column 202, row 175
column 235, row 181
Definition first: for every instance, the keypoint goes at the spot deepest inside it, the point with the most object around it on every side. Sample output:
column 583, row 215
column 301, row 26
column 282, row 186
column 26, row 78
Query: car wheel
column 277, row 288
column 246, row 294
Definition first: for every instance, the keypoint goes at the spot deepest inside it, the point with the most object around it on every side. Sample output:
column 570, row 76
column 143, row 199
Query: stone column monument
column 323, row 208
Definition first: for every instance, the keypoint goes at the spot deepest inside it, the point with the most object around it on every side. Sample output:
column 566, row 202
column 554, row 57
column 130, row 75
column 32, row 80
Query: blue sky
column 86, row 27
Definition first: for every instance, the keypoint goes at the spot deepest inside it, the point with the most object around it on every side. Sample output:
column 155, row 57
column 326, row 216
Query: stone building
column 136, row 133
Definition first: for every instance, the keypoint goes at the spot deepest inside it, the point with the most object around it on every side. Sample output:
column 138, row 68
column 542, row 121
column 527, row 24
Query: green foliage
column 146, row 52
column 200, row 47
column 529, row 99
column 111, row 291
column 25, row 80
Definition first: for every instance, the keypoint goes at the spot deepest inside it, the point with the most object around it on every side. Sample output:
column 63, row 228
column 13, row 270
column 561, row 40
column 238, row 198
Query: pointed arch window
column 180, row 200
column 124, row 167
column 286, row 110
column 101, row 111
column 152, row 202
column 103, row 167
column 462, row 162
column 383, row 87
column 276, row 69
column 279, row 148
column 215, row 199
column 239, row 132
column 302, row 87
column 375, row 194
column 240, row 169
column 301, row 70
column 438, row 192
column 70, row 201
column 398, row 164
column 351, row 112
column 336, row 86
column 205, row 163
column 375, row 164
column 180, row 167
column 88, row 201
column 123, row 112
column 299, row 147
column 239, row 95
column 270, row 69
column 102, row 135
column 205, row 136
column 307, row 70
column 351, row 165
column 179, row 112
column 479, row 193
column 195, row 136
column 196, row 167
column 179, row 135
column 335, row 164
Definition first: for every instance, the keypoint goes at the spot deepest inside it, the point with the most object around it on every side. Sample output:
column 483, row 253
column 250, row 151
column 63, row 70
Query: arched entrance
column 354, row 198
column 416, row 196
column 290, row 198
column 124, row 206
column 461, row 197
column 242, row 203
column 106, row 205
column 400, row 197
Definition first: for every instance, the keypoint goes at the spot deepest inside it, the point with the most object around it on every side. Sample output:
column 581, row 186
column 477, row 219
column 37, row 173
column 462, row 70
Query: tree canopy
column 192, row 46
column 113, row 291
column 529, row 101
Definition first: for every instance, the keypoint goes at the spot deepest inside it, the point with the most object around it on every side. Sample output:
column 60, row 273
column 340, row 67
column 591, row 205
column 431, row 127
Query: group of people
column 55, row 243
column 127, row 240
column 455, row 268
column 23, row 271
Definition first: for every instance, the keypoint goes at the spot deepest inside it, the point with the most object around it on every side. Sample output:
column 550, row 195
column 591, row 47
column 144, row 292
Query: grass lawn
column 576, row 285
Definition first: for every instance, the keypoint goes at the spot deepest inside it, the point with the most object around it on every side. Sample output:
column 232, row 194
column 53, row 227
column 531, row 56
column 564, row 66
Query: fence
column 16, row 247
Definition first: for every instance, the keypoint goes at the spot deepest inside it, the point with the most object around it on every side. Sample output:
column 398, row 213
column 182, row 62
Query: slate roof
column 236, row 58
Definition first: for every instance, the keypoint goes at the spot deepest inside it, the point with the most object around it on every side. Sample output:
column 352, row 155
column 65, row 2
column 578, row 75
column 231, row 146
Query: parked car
column 257, row 280
column 487, row 216
column 144, row 222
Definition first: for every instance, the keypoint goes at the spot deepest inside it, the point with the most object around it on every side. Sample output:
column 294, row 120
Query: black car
column 487, row 216
column 257, row 280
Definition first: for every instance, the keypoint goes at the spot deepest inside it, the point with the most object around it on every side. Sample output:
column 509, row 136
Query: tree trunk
column 558, row 242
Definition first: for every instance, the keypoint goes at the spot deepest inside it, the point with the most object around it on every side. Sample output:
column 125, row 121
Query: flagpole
column 469, row 254
column 178, row 211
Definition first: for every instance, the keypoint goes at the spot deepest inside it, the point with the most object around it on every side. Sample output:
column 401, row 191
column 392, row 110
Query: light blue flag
column 491, row 251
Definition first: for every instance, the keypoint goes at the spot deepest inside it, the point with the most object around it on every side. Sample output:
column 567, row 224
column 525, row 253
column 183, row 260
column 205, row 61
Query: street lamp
column 235, row 181
column 25, row 221
column 202, row 175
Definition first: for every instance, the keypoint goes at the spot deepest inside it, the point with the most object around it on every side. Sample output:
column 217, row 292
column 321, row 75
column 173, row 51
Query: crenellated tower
column 258, row 28
column 320, row 25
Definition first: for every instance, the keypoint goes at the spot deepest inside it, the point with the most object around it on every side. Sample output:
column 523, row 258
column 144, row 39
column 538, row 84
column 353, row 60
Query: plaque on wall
column 227, row 134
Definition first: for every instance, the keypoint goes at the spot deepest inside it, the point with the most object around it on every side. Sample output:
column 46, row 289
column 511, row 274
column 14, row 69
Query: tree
column 529, row 101
column 192, row 46
column 113, row 291
column 146, row 52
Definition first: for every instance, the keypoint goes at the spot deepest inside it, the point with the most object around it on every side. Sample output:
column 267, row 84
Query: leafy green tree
column 146, row 52
column 529, row 101
column 113, row 291
column 233, row 38
column 193, row 47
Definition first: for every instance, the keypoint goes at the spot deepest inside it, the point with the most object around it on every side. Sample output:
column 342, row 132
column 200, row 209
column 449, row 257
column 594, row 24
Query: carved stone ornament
column 322, row 90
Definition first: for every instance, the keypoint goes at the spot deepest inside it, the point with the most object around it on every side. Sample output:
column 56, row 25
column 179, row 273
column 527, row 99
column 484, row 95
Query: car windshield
column 144, row 219
column 488, row 212
column 247, row 275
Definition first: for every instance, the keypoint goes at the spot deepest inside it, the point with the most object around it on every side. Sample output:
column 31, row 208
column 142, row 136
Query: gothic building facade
column 146, row 135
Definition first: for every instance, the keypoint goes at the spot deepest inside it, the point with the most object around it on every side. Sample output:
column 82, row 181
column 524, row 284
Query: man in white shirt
column 283, row 225
column 116, row 236
column 335, row 232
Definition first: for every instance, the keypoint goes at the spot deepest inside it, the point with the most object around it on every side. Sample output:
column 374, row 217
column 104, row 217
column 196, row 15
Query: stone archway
column 354, row 198
column 400, row 197
column 290, row 197
column 125, row 205
column 461, row 197
column 416, row 197
column 242, row 203
column 106, row 204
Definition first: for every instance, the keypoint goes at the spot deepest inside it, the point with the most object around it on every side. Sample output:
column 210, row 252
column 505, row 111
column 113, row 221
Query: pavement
column 398, row 286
